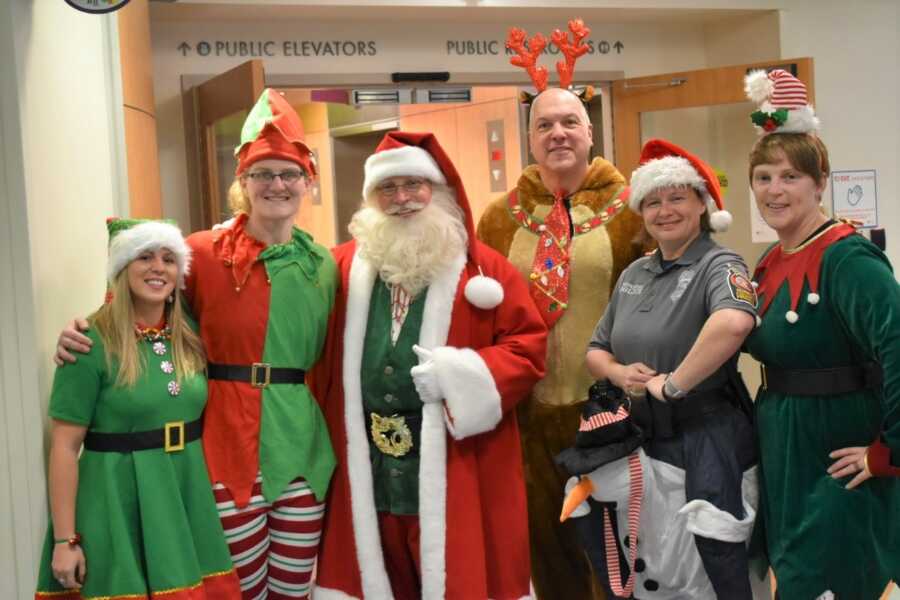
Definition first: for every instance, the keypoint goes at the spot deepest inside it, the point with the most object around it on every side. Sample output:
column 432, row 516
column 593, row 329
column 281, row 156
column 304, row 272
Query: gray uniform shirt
column 656, row 313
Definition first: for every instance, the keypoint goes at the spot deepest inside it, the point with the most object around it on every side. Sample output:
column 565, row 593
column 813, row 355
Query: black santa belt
column 172, row 437
column 258, row 375
column 822, row 382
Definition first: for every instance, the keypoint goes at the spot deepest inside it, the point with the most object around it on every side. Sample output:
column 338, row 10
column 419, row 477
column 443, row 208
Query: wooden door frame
column 204, row 104
column 702, row 87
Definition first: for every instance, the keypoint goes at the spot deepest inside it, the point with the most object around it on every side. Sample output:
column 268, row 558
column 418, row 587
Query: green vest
column 388, row 390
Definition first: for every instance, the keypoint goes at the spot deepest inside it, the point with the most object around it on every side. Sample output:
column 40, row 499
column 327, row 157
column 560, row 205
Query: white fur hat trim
column 674, row 171
column 484, row 292
column 130, row 243
column 406, row 161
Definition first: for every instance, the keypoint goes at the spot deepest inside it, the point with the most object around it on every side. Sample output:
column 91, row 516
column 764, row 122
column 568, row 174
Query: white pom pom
column 484, row 292
column 755, row 284
column 758, row 320
column 224, row 225
column 758, row 86
column 812, row 298
column 720, row 220
column 791, row 317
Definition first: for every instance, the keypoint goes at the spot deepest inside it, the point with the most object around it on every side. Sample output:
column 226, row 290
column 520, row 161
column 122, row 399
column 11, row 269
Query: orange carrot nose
column 579, row 494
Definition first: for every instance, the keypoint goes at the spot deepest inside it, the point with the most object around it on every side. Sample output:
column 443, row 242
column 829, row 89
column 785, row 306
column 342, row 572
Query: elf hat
column 663, row 164
column 782, row 100
column 128, row 238
column 273, row 130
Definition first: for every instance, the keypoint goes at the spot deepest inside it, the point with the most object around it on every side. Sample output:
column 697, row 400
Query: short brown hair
column 805, row 152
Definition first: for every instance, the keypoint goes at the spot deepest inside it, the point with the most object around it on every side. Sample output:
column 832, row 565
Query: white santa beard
column 411, row 251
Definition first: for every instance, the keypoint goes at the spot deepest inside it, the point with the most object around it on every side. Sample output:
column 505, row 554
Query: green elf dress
column 831, row 303
column 147, row 518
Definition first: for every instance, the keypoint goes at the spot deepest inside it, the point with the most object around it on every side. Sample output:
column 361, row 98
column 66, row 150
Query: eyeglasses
column 389, row 190
column 267, row 177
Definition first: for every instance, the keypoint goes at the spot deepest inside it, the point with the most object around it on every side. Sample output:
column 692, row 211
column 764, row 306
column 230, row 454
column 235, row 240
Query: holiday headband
column 528, row 52
column 782, row 100
column 128, row 238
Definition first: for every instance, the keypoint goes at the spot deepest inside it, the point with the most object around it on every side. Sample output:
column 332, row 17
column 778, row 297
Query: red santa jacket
column 472, row 507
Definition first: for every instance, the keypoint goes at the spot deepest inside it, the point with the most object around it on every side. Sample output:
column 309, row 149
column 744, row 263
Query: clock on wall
column 97, row 6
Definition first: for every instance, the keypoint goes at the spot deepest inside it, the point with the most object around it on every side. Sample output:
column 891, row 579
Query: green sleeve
column 76, row 387
column 866, row 298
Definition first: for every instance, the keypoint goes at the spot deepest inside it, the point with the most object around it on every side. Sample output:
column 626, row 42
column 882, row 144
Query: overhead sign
column 854, row 196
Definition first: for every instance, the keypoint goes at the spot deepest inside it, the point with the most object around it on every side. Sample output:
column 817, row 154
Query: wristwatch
column 670, row 392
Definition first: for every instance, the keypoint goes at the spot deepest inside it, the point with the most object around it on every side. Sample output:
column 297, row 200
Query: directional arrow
column 496, row 174
column 619, row 46
column 494, row 137
column 184, row 47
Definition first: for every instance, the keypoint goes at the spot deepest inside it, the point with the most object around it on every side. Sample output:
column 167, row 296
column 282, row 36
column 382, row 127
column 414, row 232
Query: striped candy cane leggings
column 273, row 545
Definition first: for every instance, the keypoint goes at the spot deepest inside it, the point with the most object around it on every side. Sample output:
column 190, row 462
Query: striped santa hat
column 783, row 103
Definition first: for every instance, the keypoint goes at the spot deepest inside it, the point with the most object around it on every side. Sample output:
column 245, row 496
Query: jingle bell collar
column 410, row 154
column 782, row 100
column 128, row 238
column 663, row 164
column 273, row 130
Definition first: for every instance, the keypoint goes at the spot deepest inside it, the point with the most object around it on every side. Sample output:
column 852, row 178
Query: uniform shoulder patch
column 740, row 287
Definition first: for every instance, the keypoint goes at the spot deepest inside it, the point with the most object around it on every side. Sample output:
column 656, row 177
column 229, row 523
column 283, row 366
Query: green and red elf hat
column 273, row 130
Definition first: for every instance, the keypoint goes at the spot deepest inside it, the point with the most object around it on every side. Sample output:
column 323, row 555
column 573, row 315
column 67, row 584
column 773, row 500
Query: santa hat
column 273, row 130
column 409, row 154
column 393, row 159
column 782, row 100
column 663, row 164
column 128, row 238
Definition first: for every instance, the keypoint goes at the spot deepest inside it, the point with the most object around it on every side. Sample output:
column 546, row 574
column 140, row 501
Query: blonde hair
column 115, row 326
column 238, row 200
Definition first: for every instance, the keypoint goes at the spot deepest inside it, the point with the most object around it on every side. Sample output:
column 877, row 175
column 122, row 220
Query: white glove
column 425, row 378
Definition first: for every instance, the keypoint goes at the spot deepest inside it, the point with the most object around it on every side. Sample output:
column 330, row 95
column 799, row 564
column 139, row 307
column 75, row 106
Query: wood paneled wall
column 462, row 131
column 141, row 151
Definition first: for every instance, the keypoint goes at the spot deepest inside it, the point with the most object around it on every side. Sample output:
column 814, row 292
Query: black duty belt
column 258, row 374
column 172, row 438
column 396, row 435
column 664, row 419
column 821, row 382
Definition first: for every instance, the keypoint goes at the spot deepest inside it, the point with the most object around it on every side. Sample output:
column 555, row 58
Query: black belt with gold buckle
column 258, row 375
column 171, row 438
column 396, row 435
column 822, row 382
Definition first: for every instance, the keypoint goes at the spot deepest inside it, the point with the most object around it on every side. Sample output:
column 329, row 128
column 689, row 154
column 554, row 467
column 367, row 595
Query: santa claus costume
column 487, row 345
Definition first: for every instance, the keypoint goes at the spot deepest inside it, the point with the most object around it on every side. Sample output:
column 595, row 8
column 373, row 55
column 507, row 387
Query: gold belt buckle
column 762, row 373
column 391, row 435
column 254, row 374
column 178, row 428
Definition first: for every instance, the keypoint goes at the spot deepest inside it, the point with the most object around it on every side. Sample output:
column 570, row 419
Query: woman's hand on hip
column 850, row 461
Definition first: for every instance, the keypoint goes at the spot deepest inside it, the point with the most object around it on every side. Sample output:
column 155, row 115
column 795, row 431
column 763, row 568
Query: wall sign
column 854, row 196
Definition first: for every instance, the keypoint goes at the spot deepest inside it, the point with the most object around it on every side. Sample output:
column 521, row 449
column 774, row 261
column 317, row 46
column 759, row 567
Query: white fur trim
column 800, row 120
column 758, row 86
column 470, row 394
column 375, row 582
column 432, row 452
column 152, row 235
column 484, row 292
column 406, row 161
column 705, row 519
column 668, row 171
column 719, row 220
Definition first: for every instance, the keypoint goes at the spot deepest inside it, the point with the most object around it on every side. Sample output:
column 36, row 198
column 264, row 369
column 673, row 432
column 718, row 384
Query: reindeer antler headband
column 527, row 56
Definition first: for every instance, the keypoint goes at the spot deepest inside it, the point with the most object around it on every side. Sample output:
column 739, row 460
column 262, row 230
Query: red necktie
column 550, row 269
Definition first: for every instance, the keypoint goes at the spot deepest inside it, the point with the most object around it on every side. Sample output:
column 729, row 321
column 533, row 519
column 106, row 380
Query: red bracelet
column 73, row 541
